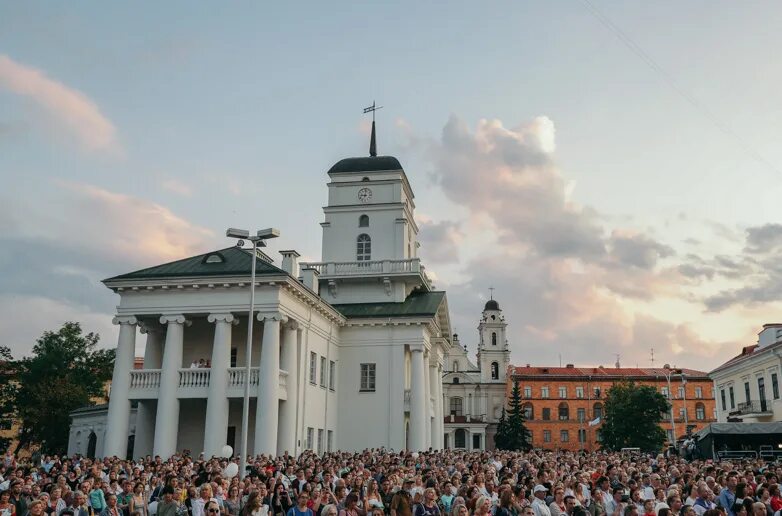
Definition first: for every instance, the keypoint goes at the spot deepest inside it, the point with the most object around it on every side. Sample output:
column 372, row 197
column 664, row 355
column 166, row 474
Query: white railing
column 145, row 379
column 236, row 377
column 412, row 265
column 193, row 378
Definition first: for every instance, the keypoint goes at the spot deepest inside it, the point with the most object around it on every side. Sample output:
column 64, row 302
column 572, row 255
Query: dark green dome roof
column 491, row 304
column 367, row 164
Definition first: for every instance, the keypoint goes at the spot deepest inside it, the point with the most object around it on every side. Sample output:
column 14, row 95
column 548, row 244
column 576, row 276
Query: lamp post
column 668, row 373
column 258, row 240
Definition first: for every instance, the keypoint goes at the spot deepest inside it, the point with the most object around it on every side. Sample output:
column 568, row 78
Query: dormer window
column 363, row 221
column 365, row 179
column 214, row 258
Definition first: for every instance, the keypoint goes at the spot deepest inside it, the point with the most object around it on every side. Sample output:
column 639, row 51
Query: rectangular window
column 476, row 441
column 582, row 436
column 596, row 392
column 664, row 391
column 563, row 392
column 746, row 392
column 367, row 378
column 700, row 412
column 544, row 392
column 732, row 397
column 546, row 414
column 456, row 406
column 699, row 393
column 681, row 413
column 546, row 436
column 323, row 371
column 579, row 392
column 681, row 393
column 669, row 435
column 313, row 367
column 310, row 437
column 234, row 353
column 722, row 399
column 598, row 436
column 330, row 441
column 775, row 386
column 320, row 440
column 527, row 391
column 332, row 376
column 564, row 436
column 581, row 414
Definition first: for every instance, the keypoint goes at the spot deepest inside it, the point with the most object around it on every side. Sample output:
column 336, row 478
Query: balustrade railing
column 193, row 378
column 411, row 265
column 236, row 377
column 145, row 379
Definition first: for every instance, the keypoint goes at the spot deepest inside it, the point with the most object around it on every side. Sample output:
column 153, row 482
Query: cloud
column 54, row 265
column 762, row 239
column 72, row 110
column 572, row 281
column 177, row 187
column 440, row 241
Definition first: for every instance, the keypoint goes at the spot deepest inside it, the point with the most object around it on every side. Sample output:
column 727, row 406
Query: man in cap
column 401, row 503
column 539, row 503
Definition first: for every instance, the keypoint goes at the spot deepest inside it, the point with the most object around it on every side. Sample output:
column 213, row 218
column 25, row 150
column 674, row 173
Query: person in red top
column 776, row 497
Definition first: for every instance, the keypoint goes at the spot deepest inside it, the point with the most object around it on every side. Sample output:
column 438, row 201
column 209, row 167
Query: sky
column 610, row 168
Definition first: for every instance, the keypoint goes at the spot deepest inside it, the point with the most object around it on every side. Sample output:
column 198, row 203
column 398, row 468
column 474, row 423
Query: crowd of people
column 382, row 482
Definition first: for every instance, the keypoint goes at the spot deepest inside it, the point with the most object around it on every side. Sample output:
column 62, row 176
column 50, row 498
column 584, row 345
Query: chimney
column 290, row 262
column 309, row 277
column 569, row 366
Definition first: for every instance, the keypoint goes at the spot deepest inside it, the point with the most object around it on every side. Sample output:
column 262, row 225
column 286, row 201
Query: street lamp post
column 258, row 240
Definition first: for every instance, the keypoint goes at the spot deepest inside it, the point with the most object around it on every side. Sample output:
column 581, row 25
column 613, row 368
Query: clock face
column 365, row 195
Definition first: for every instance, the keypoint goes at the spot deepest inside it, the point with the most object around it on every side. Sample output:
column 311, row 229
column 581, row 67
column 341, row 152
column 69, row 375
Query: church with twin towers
column 353, row 351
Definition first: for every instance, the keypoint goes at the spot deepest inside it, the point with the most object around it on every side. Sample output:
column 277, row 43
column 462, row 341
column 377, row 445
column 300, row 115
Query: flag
column 595, row 421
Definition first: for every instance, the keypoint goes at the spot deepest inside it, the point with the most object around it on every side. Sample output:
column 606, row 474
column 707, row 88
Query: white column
column 145, row 414
column 417, row 394
column 216, row 427
column 167, row 420
column 118, row 419
column 427, row 403
column 267, row 408
column 439, row 413
column 286, row 429
column 434, row 427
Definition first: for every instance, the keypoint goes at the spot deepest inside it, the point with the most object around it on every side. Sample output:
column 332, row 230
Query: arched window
column 529, row 411
column 495, row 371
column 564, row 412
column 700, row 411
column 455, row 380
column 493, row 339
column 455, row 366
column 456, row 406
column 363, row 248
column 363, row 221
column 597, row 410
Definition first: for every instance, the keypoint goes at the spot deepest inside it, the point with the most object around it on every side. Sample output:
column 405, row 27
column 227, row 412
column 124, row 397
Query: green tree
column 8, row 388
column 632, row 417
column 515, row 435
column 65, row 372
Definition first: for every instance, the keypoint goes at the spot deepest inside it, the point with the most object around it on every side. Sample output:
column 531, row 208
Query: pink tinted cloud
column 70, row 108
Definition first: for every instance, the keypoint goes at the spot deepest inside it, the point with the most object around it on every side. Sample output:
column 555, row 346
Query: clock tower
column 493, row 352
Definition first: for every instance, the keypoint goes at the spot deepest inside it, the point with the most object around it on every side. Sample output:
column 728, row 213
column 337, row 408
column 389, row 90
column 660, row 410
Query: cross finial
column 372, row 140
column 491, row 292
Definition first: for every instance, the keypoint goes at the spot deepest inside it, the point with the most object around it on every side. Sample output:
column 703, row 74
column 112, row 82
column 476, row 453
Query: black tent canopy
column 739, row 439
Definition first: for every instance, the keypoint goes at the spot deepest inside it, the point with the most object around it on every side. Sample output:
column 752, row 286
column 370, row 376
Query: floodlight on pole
column 258, row 241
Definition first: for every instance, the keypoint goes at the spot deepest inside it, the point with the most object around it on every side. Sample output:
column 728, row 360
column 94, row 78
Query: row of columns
column 156, row 433
column 426, row 425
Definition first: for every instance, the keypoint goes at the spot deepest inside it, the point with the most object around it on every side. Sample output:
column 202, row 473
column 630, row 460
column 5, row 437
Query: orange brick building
column 560, row 402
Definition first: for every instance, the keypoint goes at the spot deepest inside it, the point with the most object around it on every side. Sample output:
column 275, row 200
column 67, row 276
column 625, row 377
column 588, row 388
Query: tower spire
column 373, row 138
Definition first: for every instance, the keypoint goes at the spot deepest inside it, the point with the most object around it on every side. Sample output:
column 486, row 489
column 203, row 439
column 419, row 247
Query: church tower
column 370, row 238
column 493, row 352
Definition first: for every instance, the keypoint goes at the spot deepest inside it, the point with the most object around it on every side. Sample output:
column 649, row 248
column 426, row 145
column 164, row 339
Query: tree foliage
column 66, row 371
column 632, row 417
column 512, row 433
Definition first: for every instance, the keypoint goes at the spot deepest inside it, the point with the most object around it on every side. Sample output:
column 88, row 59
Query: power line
column 694, row 102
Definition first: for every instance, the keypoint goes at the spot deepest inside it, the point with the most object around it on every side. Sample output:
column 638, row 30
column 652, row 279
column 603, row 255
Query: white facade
column 347, row 353
column 475, row 394
column 747, row 387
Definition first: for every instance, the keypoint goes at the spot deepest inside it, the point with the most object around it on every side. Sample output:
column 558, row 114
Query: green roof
column 367, row 164
column 417, row 304
column 230, row 261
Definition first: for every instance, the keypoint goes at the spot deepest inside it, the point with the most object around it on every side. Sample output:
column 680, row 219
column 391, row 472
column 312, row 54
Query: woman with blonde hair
column 482, row 506
column 459, row 509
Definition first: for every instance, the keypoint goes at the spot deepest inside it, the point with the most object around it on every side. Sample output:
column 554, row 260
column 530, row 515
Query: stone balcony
column 389, row 268
column 194, row 383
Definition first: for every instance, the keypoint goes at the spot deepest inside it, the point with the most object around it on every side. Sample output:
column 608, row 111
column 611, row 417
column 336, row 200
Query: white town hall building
column 348, row 353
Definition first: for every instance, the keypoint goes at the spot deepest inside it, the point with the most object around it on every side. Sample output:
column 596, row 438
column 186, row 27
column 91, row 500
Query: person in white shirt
column 539, row 503
column 199, row 503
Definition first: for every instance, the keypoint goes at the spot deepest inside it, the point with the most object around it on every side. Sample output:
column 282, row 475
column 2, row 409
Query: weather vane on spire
column 372, row 141
column 491, row 292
